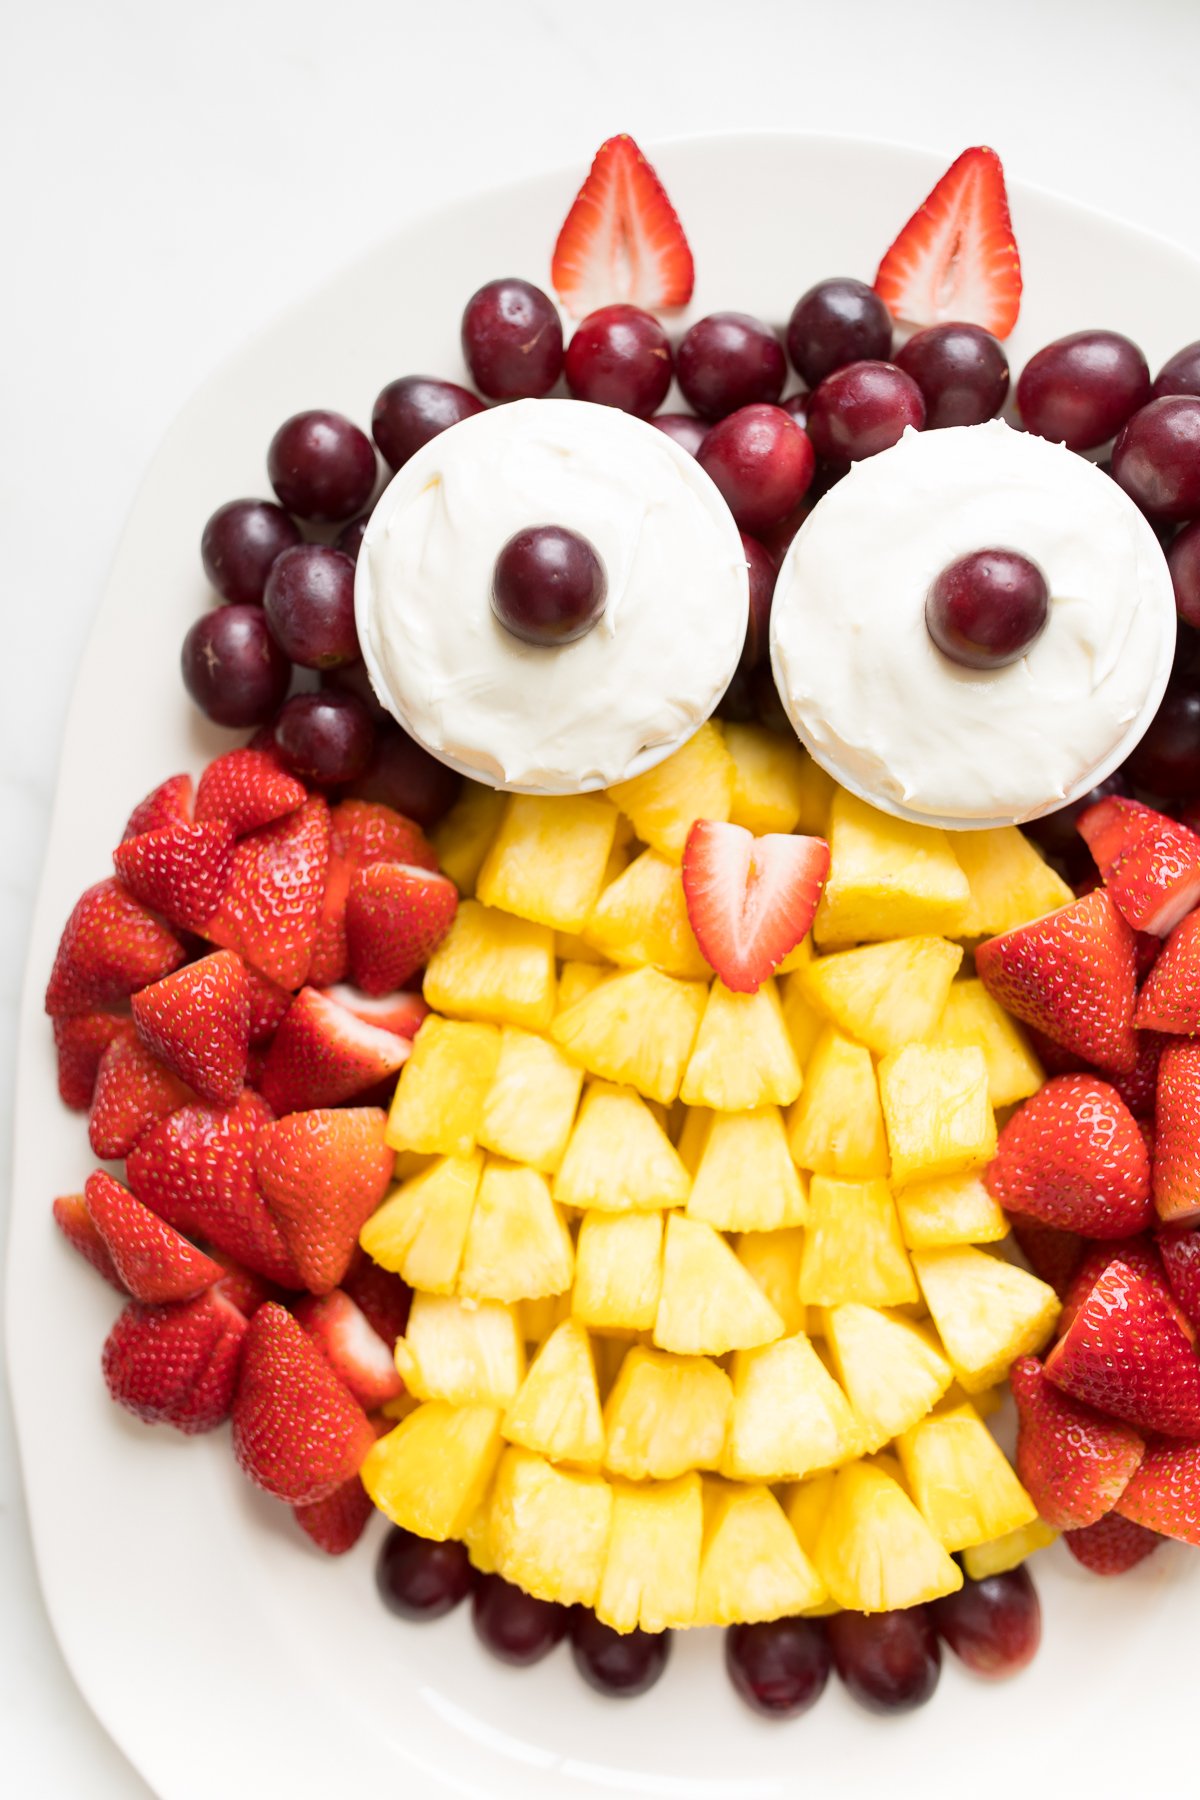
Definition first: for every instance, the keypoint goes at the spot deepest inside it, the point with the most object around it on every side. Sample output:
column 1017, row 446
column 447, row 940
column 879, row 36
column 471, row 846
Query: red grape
column 1180, row 374
column 994, row 1625
column 729, row 360
column 961, row 371
column 762, row 463
column 1183, row 560
column 410, row 412
column 512, row 340
column 548, row 586
column 349, row 538
column 1156, row 459
column 684, row 428
column 1081, row 389
column 763, row 575
column 620, row 356
column 321, row 466
column 325, row 738
column 233, row 668
column 622, row 1664
column 779, row 1668
column 985, row 609
column 1167, row 761
column 513, row 1625
column 837, row 322
column 309, row 603
column 240, row 542
column 862, row 409
column 403, row 775
column 889, row 1662
column 797, row 405
column 767, row 704
column 421, row 1579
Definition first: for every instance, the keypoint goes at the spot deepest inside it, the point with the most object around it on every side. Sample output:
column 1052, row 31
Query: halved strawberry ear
column 621, row 240
column 956, row 259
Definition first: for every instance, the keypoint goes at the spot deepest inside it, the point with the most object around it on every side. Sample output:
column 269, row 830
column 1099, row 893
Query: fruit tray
column 166, row 1574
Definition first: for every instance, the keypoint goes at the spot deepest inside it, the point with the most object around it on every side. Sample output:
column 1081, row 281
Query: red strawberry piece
column 1051, row 1254
column 1129, row 1352
column 75, row 1222
column 247, row 789
column 153, row 1261
column 268, row 1004
column 1170, row 999
column 355, row 1350
column 382, row 1297
column 181, row 871
column 366, row 832
column 396, row 916
column 1137, row 1253
column 621, row 240
column 323, row 1054
column 750, row 899
column 1112, row 1545
column 1177, row 1133
column 177, row 1364
column 1111, row 826
column 1150, row 863
column 1071, row 976
column 170, row 803
column 110, row 947
column 1180, row 1253
column 298, row 1431
column 1073, row 1156
column 401, row 1012
column 133, row 1092
column 196, row 1171
column 80, row 1040
column 957, row 258
column 242, row 1287
column 1073, row 1462
column 198, row 1022
column 336, row 1523
column 1164, row 1495
column 1138, row 1087
column 271, row 907
column 322, row 1174
column 331, row 953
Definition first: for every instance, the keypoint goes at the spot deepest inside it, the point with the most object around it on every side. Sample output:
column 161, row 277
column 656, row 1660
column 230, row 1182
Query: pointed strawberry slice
column 1129, row 1352
column 271, row 907
column 396, row 916
column 154, row 1262
column 197, row 1022
column 354, row 1349
column 298, row 1432
column 133, row 1092
column 268, row 1004
column 750, row 899
column 1112, row 1545
column 366, row 832
column 621, row 240
column 247, row 789
column 176, row 1364
column 401, row 1012
column 336, row 1523
column 1137, row 1253
column 75, row 1222
column 1073, row 1462
column 1051, row 1254
column 1164, row 1494
column 1150, row 863
column 956, row 259
column 322, row 1055
column 331, row 953
column 322, row 1174
column 80, row 1040
column 1177, row 1128
column 1170, row 1000
column 382, row 1297
column 180, row 871
column 170, row 803
column 1071, row 976
column 1073, row 1156
column 1179, row 1249
column 110, row 947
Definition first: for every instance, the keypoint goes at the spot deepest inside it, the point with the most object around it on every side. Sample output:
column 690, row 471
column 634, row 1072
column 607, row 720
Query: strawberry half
column 1137, row 1253
column 80, row 1040
column 621, row 240
column 1111, row 1546
column 366, row 832
column 322, row 1174
column 336, row 1523
column 1074, row 1156
column 176, row 1365
column 1164, row 1495
column 396, row 916
column 1074, row 1463
column 330, row 959
column 1150, row 863
column 956, row 259
column 153, row 1261
column 110, row 947
column 323, row 1054
column 750, row 899
column 298, row 1432
column 133, row 1092
column 247, row 789
column 271, row 907
column 355, row 1351
column 1177, row 1133
column 1180, row 1253
column 198, row 1022
column 1070, row 975
column 1170, row 999
column 181, row 871
column 401, row 1012
column 170, row 803
column 75, row 1222
column 1129, row 1352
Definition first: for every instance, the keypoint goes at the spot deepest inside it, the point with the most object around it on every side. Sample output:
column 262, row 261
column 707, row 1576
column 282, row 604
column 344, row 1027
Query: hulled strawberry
column 1150, row 863
column 355, row 1350
column 197, row 1021
column 323, row 1173
column 322, row 1054
column 330, row 960
column 1164, row 1495
column 621, row 240
column 134, row 1090
column 1137, row 1253
column 400, row 1012
column 366, row 832
column 1112, row 1546
column 247, row 789
column 1073, row 1462
column 180, row 871
column 750, row 899
column 336, row 1523
column 170, row 803
column 75, row 1222
column 298, row 1432
column 1130, row 1353
column 1177, row 1134
column 110, row 947
column 1170, row 999
column 178, row 1364
column 153, row 1261
column 1073, row 1156
column 271, row 907
column 957, row 258
column 396, row 916
column 1179, row 1249
column 80, row 1040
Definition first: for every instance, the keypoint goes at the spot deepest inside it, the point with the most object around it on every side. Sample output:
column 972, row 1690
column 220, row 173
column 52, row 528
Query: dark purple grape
column 797, row 405
column 737, row 702
column 1183, row 560
column 888, row 1662
column 762, row 463
column 411, row 411
column 862, row 409
column 1156, row 459
column 779, row 1668
column 349, row 538
column 403, row 775
column 548, row 585
column 325, row 738
column 420, row 1579
column 239, row 544
column 513, row 1625
column 512, row 340
column 321, row 466
column 622, row 1664
column 767, row 704
column 837, row 322
column 1167, row 761
column 620, row 356
column 763, row 575
column 309, row 603
column 961, row 371
column 352, row 678
column 1081, row 389
column 233, row 668
column 994, row 1625
column 729, row 360
column 1055, row 831
column 1180, row 374
column 686, row 430
column 985, row 609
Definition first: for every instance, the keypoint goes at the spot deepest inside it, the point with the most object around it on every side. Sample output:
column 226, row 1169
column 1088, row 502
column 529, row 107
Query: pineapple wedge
column 892, row 1372
column 887, row 879
column 987, row 1312
column 954, row 1209
column 982, row 1560
column 875, row 1552
column 557, row 1410
column 694, row 782
column 805, row 1504
column 530, row 1106
column 709, row 1303
column 493, row 967
column 973, row 1017
column 619, row 1158
column 961, row 1481
column 1011, row 883
column 790, row 1417
column 577, row 979
column 853, row 1250
column 618, row 1270
column 420, row 1229
column 743, row 1056
column 477, row 1538
column 440, row 1095
column 637, row 1029
column 769, row 779
column 652, row 1570
column 774, row 1258
column 751, row 1565
column 463, row 837
column 641, row 918
column 745, row 1179
column 937, row 1112
column 836, row 1126
column 547, row 861
column 885, row 995
column 665, row 1415
column 549, row 1528
column 802, row 1022
column 465, row 1355
column 431, row 1473
column 518, row 1247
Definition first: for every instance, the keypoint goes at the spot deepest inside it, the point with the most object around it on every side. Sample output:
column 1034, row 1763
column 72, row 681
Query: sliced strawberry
column 330, row 953
column 323, row 1054
column 298, row 1432
column 1170, row 1000
column 170, row 803
column 336, row 1523
column 1179, row 1249
column 80, row 1040
column 750, row 899
column 133, row 1092
column 1112, row 1545
column 1129, row 1352
column 1073, row 1462
column 957, row 258
column 1177, row 1133
column 1150, row 863
column 1073, row 1156
column 198, row 1022
column 242, row 1287
column 1051, row 1254
column 268, row 1004
column 176, row 1365
column 1071, row 976
column 621, row 240
column 110, row 947
column 355, row 1350
column 366, row 832
column 322, row 1174
column 396, row 916
column 400, row 1012
column 1138, row 1087
column 1164, row 1495
column 247, row 789
column 1110, row 826
column 271, row 907
column 1137, row 1253
column 75, row 1222
column 154, row 1262
column 382, row 1297
column 180, row 871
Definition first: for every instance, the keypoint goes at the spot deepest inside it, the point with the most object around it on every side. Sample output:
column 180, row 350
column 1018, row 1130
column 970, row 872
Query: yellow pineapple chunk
column 495, row 967
column 547, row 860
column 892, row 1372
column 653, row 1566
column 745, row 1180
column 642, row 918
column 954, row 1209
column 439, row 1097
column 973, row 1017
column 557, row 1411
column 578, row 978
column 549, row 1528
column 875, row 1552
column 1011, row 882
column 463, row 1354
column 936, row 1109
column 477, row 1538
column 463, row 837
column 751, row 1566
column 805, row 1504
column 666, row 1414
column 769, row 779
column 518, row 1247
column 801, row 1019
column 961, row 1481
column 420, row 1229
column 887, row 879
column 885, row 995
column 619, row 1158
column 816, row 799
column 637, row 1028
column 569, row 946
column 853, row 1250
column 531, row 1103
column 987, row 1312
column 618, row 1270
column 743, row 1056
column 695, row 782
column 709, row 1303
column 774, row 1258
column 431, row 1473
column 982, row 1560
column 400, row 1406
column 790, row 1417
column 836, row 1126
column 986, row 1402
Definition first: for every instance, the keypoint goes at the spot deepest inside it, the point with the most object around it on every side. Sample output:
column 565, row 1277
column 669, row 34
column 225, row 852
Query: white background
column 173, row 176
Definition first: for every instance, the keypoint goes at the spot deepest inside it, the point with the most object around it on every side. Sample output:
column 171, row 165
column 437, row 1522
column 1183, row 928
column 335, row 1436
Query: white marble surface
column 183, row 173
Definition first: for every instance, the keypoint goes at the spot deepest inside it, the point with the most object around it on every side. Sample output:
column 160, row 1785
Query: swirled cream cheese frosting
column 890, row 716
column 575, row 716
